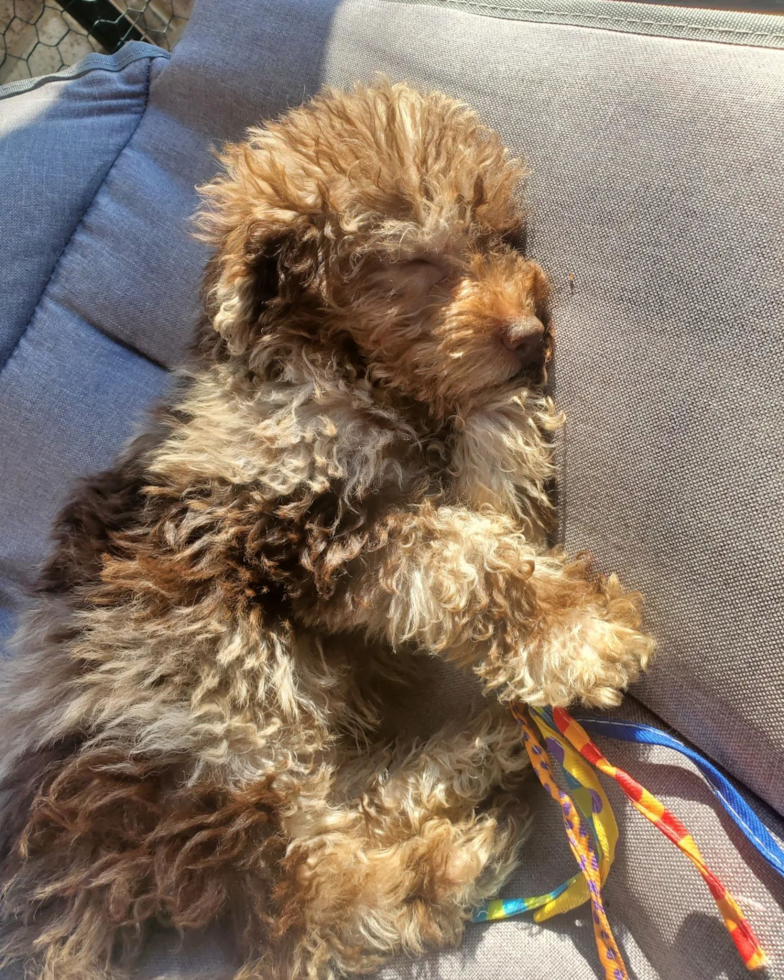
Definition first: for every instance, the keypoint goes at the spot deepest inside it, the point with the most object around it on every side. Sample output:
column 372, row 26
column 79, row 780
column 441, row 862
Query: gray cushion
column 656, row 171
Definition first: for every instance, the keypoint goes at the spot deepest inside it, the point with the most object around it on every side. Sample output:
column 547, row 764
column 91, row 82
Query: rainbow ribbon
column 581, row 847
column 591, row 801
column 741, row 813
column 664, row 820
column 593, row 833
column 586, row 791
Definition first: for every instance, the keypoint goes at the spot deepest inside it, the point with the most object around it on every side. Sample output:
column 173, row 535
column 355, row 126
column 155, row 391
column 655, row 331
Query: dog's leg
column 112, row 843
column 399, row 868
column 534, row 625
column 452, row 792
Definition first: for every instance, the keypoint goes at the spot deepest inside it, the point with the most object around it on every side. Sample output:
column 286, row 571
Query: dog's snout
column 526, row 338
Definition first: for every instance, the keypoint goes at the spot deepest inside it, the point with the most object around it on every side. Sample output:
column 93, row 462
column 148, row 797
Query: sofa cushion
column 59, row 137
column 659, row 232
column 69, row 395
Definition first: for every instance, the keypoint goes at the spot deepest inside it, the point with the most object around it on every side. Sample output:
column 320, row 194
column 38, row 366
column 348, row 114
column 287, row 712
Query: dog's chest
column 501, row 462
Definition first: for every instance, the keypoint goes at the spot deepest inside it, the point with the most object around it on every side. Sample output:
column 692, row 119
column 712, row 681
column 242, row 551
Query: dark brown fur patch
column 125, row 830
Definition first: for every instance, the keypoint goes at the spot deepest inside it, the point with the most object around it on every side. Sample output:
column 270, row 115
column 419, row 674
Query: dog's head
column 382, row 221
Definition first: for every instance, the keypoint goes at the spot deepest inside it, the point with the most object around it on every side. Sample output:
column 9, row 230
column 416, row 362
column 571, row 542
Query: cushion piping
column 130, row 52
column 674, row 23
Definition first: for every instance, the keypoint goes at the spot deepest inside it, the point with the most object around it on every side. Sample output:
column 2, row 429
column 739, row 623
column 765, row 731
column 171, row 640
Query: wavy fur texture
column 350, row 473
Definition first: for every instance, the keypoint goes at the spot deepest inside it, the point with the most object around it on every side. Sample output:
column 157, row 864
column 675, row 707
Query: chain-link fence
column 41, row 36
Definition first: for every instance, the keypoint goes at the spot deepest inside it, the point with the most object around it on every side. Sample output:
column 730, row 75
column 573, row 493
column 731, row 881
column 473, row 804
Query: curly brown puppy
column 353, row 465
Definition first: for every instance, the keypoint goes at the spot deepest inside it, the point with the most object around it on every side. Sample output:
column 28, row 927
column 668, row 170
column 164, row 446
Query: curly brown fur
column 352, row 467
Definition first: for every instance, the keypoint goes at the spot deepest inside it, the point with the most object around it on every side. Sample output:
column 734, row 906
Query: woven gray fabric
column 656, row 171
column 732, row 27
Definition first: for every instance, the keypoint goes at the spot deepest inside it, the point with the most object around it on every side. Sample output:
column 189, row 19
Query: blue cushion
column 69, row 394
column 59, row 138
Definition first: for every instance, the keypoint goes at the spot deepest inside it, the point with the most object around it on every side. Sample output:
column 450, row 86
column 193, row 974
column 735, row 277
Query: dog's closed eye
column 416, row 274
column 425, row 270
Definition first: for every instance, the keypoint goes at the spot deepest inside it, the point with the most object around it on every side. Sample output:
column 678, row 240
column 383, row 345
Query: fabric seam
column 91, row 62
column 627, row 21
column 602, row 22
column 81, row 220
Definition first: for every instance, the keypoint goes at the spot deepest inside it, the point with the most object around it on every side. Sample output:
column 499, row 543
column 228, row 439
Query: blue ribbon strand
column 745, row 818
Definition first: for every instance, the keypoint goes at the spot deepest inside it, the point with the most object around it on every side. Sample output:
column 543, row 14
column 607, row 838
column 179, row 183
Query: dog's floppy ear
column 262, row 272
column 264, row 261
column 257, row 239
column 240, row 290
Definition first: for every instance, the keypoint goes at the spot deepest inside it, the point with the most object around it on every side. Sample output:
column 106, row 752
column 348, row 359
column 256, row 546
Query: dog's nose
column 526, row 338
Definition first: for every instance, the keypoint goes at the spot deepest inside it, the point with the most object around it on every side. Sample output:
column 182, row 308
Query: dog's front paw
column 597, row 656
column 589, row 653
